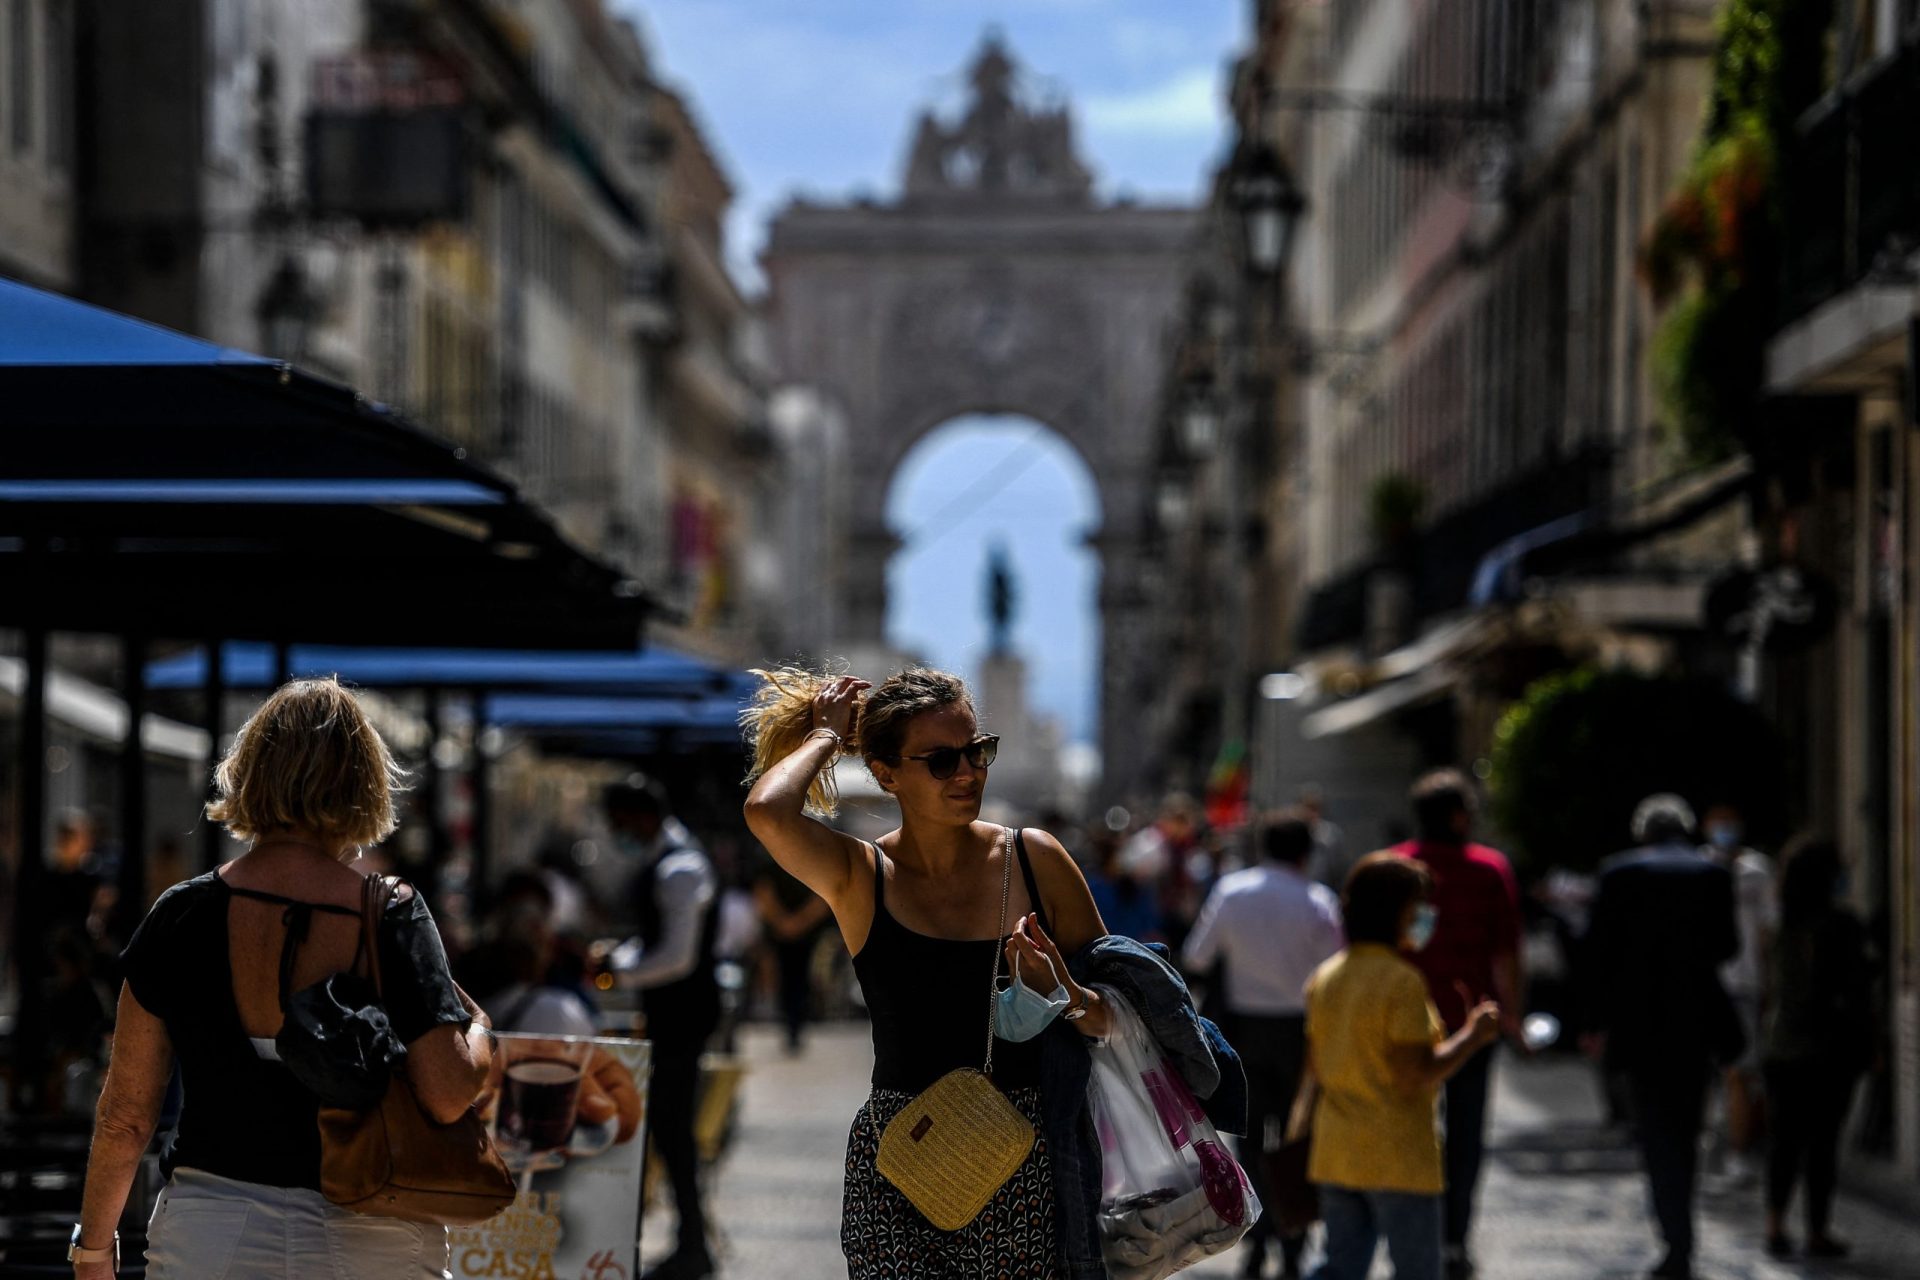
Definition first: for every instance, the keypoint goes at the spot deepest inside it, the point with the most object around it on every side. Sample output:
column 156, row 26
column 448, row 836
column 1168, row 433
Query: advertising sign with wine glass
column 568, row 1115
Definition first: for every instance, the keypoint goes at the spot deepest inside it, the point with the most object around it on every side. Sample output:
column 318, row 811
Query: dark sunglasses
column 943, row 761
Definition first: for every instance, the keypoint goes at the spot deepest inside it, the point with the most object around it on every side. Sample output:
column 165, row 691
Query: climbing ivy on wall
column 1712, row 258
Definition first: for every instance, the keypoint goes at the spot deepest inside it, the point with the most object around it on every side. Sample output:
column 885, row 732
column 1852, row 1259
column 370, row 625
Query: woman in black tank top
column 921, row 912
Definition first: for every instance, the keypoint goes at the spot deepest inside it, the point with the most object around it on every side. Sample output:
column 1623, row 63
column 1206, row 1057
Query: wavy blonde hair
column 309, row 757
column 781, row 715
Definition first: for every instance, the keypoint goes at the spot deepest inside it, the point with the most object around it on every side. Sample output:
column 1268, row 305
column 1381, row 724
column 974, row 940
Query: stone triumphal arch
column 996, row 283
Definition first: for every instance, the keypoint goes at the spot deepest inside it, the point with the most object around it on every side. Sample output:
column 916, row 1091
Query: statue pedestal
column 1026, row 777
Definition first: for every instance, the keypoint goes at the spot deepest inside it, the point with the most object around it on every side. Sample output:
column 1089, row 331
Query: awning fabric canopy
column 156, row 482
column 652, row 673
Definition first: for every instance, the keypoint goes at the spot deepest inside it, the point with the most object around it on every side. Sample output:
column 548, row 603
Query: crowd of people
column 1362, row 994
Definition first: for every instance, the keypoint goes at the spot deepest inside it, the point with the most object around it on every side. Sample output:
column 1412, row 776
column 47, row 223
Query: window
column 20, row 75
column 59, row 84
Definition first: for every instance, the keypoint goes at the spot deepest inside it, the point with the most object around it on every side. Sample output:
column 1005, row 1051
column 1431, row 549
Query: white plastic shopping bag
column 1170, row 1192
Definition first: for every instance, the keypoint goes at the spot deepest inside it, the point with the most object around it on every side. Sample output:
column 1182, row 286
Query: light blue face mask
column 1420, row 931
column 1021, row 1013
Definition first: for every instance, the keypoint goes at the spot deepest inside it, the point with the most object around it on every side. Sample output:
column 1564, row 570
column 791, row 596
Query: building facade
column 37, row 171
column 1468, row 365
column 462, row 209
column 1843, row 475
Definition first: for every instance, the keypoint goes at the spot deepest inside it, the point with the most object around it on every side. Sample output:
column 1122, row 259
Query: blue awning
column 651, row 673
column 560, row 713
column 153, row 480
column 455, row 493
column 40, row 328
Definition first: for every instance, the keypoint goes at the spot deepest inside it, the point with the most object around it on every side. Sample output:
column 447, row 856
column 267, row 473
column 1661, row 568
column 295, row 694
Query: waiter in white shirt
column 1272, row 927
column 676, row 899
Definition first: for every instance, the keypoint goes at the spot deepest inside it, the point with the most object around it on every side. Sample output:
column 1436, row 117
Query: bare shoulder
column 1052, row 864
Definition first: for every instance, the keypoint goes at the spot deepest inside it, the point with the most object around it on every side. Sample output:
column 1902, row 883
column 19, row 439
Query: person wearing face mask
column 1757, row 913
column 1662, row 925
column 1377, row 1055
column 1474, row 956
column 924, row 911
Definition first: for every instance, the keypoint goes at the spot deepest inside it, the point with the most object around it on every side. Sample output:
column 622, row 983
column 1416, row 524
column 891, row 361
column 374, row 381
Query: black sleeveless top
column 244, row 1116
column 928, row 999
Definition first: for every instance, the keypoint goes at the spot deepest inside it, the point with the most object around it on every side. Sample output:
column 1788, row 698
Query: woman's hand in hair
column 837, row 704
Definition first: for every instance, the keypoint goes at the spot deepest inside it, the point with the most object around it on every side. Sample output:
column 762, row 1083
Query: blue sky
column 818, row 97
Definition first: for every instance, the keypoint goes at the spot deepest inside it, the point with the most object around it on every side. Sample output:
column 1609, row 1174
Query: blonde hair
column 309, row 757
column 781, row 715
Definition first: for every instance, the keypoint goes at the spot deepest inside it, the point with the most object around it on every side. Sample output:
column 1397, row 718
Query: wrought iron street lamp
column 287, row 310
column 1199, row 418
column 1270, row 203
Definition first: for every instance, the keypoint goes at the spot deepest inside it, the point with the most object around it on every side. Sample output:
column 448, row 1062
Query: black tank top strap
column 1033, row 886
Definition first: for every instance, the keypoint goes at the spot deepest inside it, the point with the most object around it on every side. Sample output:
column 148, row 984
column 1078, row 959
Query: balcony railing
column 1441, row 560
column 1852, row 185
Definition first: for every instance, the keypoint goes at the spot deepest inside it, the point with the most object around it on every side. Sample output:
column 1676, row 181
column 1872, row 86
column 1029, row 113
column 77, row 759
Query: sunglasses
column 943, row 761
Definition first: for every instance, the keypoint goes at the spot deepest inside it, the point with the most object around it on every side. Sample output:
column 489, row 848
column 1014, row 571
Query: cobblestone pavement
column 1561, row 1199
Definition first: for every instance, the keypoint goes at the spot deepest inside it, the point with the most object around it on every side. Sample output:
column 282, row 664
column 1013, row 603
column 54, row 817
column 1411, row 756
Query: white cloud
column 1187, row 106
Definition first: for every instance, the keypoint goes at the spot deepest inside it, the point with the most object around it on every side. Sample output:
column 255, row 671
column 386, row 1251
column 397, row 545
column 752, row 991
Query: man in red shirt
column 1474, row 955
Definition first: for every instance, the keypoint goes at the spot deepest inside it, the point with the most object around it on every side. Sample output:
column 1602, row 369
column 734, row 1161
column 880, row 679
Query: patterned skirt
column 886, row 1238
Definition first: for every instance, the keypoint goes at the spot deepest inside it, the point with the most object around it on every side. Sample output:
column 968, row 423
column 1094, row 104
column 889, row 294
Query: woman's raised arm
column 776, row 810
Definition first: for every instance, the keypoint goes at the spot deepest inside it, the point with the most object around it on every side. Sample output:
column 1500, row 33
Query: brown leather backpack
column 395, row 1161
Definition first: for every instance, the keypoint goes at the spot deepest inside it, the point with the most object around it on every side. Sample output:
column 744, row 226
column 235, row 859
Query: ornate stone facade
column 996, row 284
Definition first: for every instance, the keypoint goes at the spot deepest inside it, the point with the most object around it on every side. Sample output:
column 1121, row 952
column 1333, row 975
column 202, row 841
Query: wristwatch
column 76, row 1254
column 1077, row 1011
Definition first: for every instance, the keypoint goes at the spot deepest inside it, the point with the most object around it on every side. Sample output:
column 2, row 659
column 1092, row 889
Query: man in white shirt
column 676, row 899
column 1271, row 927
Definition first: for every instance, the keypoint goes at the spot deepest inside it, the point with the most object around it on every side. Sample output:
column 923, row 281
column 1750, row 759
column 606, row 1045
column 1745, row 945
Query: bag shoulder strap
column 375, row 893
column 993, row 983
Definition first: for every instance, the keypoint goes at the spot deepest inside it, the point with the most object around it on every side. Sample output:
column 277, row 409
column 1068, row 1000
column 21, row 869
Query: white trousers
column 206, row 1227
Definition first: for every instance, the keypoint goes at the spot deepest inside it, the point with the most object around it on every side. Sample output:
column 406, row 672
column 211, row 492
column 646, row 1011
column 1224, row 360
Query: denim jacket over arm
column 1144, row 975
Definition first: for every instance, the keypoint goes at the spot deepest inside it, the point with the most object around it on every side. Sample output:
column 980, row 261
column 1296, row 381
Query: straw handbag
column 960, row 1139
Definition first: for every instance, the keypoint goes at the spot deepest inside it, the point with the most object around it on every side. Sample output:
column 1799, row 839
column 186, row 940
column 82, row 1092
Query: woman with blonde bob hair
column 923, row 910
column 308, row 784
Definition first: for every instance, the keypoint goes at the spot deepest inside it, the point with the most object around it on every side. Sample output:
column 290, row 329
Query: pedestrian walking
column 1662, row 926
column 925, row 911
column 1474, row 956
column 1270, row 927
column 1819, row 1038
column 1756, row 913
column 1377, row 1054
column 792, row 917
column 308, row 783
column 675, row 897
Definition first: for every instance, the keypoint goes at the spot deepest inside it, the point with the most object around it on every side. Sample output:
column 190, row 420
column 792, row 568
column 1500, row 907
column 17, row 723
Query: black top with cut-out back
column 928, row 998
column 245, row 1116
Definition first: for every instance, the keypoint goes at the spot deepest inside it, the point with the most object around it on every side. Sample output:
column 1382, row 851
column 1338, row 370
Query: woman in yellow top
column 1377, row 1054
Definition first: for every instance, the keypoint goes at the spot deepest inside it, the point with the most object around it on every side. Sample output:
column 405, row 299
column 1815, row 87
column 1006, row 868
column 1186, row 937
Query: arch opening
column 971, row 489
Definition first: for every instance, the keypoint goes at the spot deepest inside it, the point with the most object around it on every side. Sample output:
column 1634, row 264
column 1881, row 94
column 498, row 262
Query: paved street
column 1561, row 1199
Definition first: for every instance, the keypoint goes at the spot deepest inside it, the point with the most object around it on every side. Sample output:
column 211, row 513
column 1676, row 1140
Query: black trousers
column 670, row 1107
column 1806, row 1109
column 1273, row 1050
column 1669, row 1103
column 1466, row 1147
